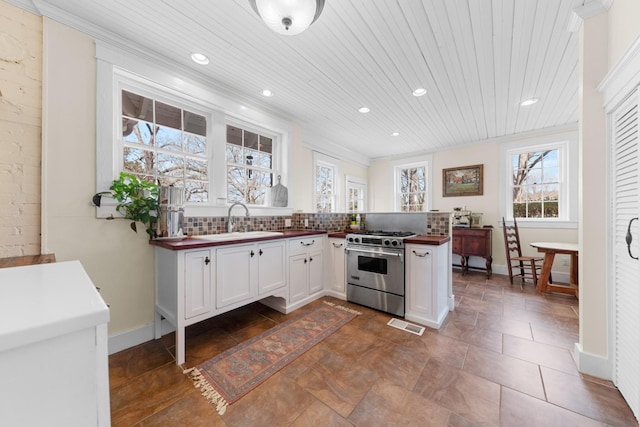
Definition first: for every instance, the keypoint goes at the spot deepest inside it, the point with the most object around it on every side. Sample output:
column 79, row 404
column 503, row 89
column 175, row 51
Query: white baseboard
column 131, row 338
column 592, row 364
column 502, row 270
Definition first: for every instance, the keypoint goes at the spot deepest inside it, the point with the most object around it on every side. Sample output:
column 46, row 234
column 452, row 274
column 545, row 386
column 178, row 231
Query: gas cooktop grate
column 406, row 326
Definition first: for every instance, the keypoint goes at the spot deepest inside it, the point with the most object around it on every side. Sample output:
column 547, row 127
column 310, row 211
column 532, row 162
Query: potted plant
column 137, row 200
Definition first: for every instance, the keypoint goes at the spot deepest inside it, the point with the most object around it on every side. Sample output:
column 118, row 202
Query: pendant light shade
column 288, row 17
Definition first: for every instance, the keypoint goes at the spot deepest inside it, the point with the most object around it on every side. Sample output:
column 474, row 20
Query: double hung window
column 166, row 144
column 540, row 181
column 412, row 183
column 249, row 166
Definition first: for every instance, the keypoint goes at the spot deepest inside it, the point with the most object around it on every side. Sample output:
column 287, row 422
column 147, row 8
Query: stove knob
column 386, row 242
column 350, row 239
column 357, row 240
column 394, row 243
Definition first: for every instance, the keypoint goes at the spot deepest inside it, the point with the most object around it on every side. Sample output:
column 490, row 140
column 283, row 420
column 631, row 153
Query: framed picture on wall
column 462, row 181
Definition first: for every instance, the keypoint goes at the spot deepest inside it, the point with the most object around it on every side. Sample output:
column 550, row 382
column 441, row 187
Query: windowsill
column 107, row 209
column 527, row 223
column 210, row 210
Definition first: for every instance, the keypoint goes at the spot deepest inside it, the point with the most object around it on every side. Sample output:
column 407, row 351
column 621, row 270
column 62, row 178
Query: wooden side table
column 468, row 242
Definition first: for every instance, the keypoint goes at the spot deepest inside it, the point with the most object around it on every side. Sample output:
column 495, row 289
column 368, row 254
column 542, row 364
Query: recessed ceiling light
column 419, row 92
column 528, row 102
column 364, row 110
column 395, row 134
column 266, row 92
column 199, row 58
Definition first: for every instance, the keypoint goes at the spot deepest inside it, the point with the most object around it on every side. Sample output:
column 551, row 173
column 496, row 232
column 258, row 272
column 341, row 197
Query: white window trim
column 320, row 159
column 276, row 154
column 351, row 181
column 568, row 159
column 115, row 66
column 421, row 161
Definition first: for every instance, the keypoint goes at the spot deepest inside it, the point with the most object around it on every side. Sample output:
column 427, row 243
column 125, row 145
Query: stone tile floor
column 503, row 357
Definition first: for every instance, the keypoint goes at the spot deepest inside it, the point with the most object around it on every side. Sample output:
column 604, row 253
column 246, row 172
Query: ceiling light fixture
column 364, row 110
column 199, row 58
column 419, row 92
column 528, row 102
column 395, row 134
column 266, row 92
column 288, row 17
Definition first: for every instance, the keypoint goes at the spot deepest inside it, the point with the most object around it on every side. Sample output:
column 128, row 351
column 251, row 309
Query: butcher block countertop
column 428, row 240
column 193, row 243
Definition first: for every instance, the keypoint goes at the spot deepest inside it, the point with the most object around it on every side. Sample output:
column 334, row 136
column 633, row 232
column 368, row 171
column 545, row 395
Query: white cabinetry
column 306, row 278
column 246, row 271
column 234, row 275
column 271, row 267
column 185, row 287
column 195, row 284
column 336, row 271
column 197, row 296
column 53, row 347
column 427, row 283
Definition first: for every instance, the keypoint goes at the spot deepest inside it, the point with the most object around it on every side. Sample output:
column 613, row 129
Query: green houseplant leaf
column 137, row 200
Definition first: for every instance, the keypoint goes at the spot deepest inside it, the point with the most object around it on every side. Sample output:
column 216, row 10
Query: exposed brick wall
column 20, row 130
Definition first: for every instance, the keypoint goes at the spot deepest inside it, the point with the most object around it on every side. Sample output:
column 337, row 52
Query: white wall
column 488, row 154
column 594, row 189
column 118, row 261
column 623, row 28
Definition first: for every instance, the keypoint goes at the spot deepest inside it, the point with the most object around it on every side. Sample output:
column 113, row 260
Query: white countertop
column 39, row 302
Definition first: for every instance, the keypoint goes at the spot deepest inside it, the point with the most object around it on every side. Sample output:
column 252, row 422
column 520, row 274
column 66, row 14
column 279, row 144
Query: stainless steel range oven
column 375, row 270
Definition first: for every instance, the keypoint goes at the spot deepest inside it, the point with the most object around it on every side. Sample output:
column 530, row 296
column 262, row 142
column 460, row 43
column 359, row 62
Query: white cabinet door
column 420, row 286
column 337, row 266
column 234, row 274
column 298, row 277
column 316, row 272
column 271, row 266
column 427, row 276
column 626, row 236
column 197, row 293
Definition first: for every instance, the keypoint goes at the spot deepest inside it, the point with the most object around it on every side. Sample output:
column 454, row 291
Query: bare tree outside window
column 536, row 184
column 413, row 189
column 325, row 188
column 165, row 144
column 249, row 166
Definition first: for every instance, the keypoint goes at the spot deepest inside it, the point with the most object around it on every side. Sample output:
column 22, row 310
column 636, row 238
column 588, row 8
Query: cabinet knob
column 206, row 260
column 260, row 252
column 305, row 260
column 310, row 259
column 252, row 253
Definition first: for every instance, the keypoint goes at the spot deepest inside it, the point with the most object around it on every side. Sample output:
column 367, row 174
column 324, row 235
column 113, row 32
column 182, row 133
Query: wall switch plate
column 287, row 222
column 306, row 222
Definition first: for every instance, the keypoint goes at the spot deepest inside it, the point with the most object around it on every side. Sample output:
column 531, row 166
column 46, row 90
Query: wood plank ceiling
column 478, row 59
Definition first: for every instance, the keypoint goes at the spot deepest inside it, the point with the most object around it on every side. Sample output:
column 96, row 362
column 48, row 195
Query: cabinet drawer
column 456, row 245
column 472, row 233
column 304, row 244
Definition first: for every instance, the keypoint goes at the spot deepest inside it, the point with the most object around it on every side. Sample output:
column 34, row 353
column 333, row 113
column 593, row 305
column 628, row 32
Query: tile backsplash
column 438, row 223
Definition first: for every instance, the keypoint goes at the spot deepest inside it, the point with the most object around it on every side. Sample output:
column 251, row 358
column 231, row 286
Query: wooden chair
column 528, row 266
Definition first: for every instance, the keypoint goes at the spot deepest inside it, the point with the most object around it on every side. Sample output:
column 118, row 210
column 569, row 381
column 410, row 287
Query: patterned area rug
column 227, row 377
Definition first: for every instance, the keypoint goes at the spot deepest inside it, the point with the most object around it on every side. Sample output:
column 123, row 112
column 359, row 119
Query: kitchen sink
column 236, row 235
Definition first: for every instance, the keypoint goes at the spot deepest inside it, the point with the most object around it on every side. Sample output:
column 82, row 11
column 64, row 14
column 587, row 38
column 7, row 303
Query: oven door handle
column 398, row 254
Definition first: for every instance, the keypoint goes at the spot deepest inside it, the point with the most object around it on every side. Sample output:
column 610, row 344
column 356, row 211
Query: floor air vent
column 406, row 326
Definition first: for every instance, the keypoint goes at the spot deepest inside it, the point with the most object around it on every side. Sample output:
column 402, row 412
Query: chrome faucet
column 230, row 223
